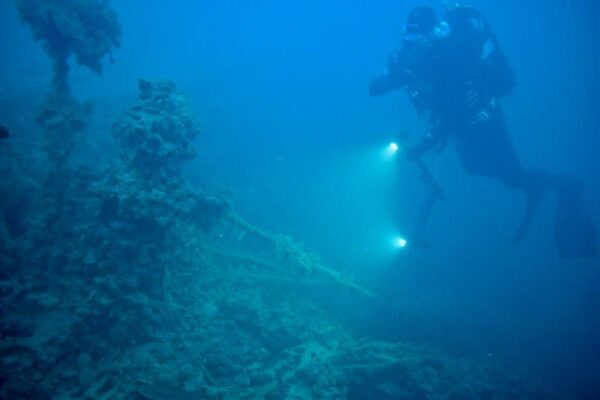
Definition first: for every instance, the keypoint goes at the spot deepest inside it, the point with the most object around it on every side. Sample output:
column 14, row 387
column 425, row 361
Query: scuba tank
column 468, row 26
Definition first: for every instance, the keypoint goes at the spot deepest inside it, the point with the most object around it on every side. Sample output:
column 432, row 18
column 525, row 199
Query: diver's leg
column 533, row 186
column 486, row 149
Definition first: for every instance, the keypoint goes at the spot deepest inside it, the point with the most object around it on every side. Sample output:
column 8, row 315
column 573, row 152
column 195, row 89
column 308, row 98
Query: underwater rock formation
column 87, row 29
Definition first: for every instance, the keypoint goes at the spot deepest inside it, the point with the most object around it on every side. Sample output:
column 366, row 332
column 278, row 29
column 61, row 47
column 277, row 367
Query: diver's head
column 420, row 23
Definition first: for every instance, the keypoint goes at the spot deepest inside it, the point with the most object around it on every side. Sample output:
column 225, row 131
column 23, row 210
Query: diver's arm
column 392, row 77
column 380, row 85
column 429, row 141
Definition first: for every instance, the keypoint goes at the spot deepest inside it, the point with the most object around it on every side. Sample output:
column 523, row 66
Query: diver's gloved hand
column 428, row 142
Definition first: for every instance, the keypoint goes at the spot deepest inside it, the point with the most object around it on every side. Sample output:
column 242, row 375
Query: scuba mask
column 418, row 29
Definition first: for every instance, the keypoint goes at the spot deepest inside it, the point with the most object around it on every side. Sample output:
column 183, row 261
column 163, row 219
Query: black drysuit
column 451, row 79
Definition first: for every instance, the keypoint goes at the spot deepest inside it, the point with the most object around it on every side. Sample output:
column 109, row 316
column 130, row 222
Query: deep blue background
column 281, row 91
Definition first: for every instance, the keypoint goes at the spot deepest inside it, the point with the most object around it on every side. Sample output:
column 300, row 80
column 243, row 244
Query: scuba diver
column 454, row 71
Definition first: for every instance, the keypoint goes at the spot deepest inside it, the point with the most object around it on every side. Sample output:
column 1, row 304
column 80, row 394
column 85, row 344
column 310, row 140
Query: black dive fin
column 534, row 198
column 574, row 228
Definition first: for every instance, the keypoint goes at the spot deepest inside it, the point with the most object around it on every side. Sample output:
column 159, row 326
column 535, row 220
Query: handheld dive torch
column 435, row 192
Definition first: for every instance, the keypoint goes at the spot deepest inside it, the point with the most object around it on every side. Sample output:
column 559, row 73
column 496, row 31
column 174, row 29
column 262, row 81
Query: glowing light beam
column 400, row 242
column 390, row 150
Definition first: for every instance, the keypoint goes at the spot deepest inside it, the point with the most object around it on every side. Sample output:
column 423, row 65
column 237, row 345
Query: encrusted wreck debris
column 87, row 30
column 132, row 284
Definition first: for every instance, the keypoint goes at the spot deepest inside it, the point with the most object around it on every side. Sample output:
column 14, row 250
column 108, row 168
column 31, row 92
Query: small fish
column 4, row 133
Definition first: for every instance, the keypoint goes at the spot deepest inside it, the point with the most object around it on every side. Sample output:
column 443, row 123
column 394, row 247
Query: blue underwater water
column 199, row 200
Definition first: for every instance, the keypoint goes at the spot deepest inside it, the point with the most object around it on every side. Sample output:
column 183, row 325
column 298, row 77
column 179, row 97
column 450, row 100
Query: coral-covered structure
column 136, row 286
column 63, row 120
column 87, row 29
column 155, row 136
